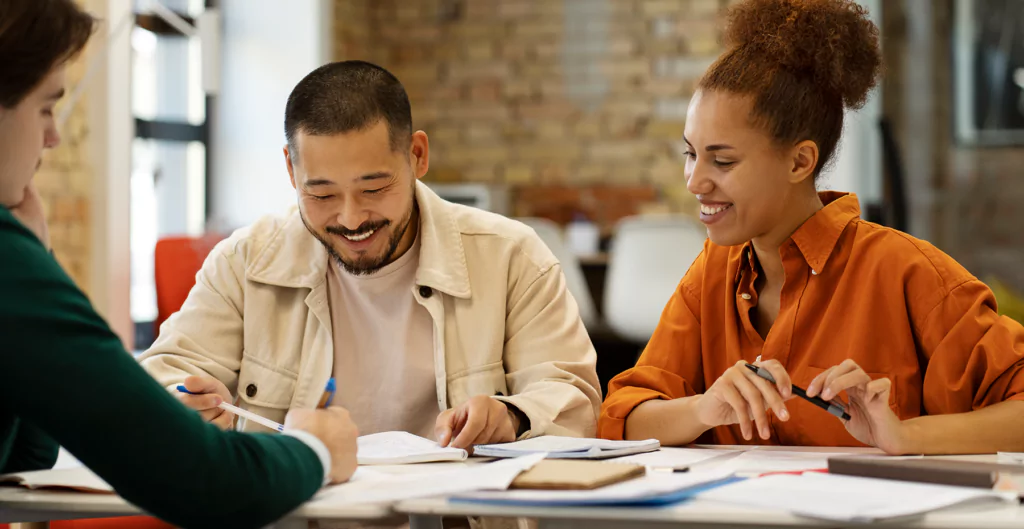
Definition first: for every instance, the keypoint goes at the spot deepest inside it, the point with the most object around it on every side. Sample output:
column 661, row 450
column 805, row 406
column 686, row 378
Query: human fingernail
column 784, row 414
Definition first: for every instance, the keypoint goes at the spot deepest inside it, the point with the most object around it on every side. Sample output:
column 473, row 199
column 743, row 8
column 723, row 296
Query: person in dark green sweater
column 65, row 378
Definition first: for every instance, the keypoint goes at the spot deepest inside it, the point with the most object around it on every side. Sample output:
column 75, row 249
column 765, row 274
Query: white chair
column 649, row 256
column 551, row 234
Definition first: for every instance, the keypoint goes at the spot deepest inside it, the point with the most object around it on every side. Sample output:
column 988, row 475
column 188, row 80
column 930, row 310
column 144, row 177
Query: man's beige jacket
column 504, row 323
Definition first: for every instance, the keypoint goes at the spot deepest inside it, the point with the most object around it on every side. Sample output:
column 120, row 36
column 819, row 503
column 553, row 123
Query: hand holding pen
column 834, row 408
column 207, row 396
column 741, row 397
column 332, row 425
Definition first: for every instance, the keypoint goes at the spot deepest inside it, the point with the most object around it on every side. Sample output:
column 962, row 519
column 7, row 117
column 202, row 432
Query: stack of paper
column 75, row 478
column 369, row 486
column 657, row 488
column 1011, row 457
column 399, row 448
column 567, row 448
column 676, row 458
column 754, row 462
column 847, row 498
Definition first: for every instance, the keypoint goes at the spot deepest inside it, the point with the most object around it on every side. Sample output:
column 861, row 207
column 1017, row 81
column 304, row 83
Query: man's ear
column 288, row 163
column 420, row 153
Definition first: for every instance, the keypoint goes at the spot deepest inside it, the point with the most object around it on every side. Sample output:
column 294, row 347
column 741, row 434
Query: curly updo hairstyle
column 802, row 63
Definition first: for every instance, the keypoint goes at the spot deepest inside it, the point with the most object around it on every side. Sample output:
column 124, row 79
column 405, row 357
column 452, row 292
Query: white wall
column 266, row 50
column 112, row 129
column 858, row 165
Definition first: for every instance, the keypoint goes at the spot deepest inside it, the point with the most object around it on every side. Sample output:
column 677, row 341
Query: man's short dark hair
column 36, row 36
column 346, row 96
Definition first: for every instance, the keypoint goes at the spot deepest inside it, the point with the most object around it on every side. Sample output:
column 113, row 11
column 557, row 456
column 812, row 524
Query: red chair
column 127, row 522
column 176, row 262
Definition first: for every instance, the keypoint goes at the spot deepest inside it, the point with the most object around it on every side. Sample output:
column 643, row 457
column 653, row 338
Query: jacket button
column 426, row 292
column 250, row 390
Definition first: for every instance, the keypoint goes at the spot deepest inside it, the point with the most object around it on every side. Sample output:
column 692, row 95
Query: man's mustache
column 363, row 228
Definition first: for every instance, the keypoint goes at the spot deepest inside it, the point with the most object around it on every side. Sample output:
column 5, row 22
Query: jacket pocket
column 260, row 384
column 486, row 380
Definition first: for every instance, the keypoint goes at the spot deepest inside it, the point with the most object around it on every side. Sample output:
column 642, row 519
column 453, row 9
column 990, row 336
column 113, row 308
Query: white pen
column 242, row 413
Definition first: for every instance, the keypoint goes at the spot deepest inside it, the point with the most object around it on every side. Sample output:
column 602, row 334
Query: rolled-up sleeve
column 670, row 366
column 975, row 357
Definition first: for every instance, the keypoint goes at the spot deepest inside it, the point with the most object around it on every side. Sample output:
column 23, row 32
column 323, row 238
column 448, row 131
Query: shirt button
column 426, row 292
column 250, row 390
column 745, row 296
column 814, row 272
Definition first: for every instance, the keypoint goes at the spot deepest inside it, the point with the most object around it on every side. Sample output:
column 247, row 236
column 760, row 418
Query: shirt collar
column 816, row 238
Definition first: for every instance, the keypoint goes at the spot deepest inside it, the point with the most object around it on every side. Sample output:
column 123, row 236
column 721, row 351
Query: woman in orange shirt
column 794, row 281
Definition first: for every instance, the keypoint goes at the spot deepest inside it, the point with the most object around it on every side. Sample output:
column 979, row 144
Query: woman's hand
column 872, row 421
column 740, row 396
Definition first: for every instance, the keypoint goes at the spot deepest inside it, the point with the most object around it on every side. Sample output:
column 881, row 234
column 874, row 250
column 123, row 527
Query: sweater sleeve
column 67, row 374
column 31, row 449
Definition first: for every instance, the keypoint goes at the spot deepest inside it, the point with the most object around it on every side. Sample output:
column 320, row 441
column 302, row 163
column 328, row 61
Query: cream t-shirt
column 383, row 348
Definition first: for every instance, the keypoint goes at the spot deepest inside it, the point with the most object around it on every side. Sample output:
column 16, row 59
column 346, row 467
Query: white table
column 424, row 513
column 699, row 513
column 19, row 505
column 22, row 505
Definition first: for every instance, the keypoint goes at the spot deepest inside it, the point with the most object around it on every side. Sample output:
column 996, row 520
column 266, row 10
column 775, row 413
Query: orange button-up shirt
column 896, row 305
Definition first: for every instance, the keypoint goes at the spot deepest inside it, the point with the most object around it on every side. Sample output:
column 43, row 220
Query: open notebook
column 567, row 448
column 399, row 448
column 76, row 478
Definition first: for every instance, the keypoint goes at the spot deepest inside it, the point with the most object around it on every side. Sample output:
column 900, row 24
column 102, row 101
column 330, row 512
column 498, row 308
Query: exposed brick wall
column 65, row 182
column 552, row 92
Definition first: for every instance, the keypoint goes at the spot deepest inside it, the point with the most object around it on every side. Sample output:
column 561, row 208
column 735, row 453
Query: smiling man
column 437, row 319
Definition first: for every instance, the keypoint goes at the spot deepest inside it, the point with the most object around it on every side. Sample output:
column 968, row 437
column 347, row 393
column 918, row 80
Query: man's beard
column 365, row 265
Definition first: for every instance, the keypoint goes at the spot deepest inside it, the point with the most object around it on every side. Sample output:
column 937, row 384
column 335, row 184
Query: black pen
column 831, row 407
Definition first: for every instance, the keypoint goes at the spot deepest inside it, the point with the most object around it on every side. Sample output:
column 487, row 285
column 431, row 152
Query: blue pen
column 242, row 413
column 328, row 397
column 325, row 400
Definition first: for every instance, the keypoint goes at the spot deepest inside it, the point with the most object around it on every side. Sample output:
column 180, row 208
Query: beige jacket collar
column 293, row 258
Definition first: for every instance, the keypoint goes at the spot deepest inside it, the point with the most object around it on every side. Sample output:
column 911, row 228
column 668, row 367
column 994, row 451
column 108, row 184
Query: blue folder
column 656, row 500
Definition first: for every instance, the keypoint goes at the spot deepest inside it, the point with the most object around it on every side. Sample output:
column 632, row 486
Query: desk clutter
column 839, row 485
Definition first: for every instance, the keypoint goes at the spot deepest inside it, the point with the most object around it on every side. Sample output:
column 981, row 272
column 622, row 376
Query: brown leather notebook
column 939, row 471
column 576, row 474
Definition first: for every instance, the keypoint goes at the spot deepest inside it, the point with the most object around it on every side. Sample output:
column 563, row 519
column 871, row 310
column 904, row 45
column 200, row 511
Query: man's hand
column 481, row 420
column 334, row 427
column 31, row 213
column 207, row 394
